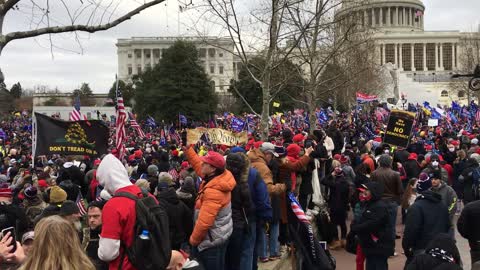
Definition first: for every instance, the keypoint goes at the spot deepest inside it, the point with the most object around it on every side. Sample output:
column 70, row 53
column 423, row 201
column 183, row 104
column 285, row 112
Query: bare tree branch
column 70, row 28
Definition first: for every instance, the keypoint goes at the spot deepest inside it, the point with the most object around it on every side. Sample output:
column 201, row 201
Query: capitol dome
column 387, row 15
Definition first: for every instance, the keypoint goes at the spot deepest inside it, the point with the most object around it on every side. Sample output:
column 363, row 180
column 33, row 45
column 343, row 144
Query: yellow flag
column 276, row 104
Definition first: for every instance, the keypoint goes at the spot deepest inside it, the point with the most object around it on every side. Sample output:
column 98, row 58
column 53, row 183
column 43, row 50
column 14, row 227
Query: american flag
column 76, row 115
column 135, row 125
column 81, row 204
column 98, row 192
column 173, row 172
column 297, row 209
column 120, row 133
column 175, row 136
column 477, row 116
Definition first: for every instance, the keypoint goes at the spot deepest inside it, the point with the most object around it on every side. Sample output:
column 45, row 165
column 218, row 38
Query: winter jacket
column 72, row 172
column 258, row 161
column 329, row 146
column 373, row 227
column 440, row 254
column 468, row 224
column 369, row 161
column 339, row 197
column 92, row 249
column 466, row 178
column 427, row 217
column 393, row 188
column 50, row 210
column 449, row 198
column 401, row 156
column 12, row 215
column 213, row 212
column 337, row 139
column 259, row 194
column 187, row 196
column 180, row 217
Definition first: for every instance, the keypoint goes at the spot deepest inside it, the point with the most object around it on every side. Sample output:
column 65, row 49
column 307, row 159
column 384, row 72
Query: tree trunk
column 264, row 126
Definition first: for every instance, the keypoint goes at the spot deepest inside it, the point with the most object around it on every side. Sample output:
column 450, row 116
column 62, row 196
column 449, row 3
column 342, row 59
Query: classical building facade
column 424, row 60
column 137, row 54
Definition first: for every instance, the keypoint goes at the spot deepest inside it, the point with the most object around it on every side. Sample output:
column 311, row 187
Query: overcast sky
column 30, row 61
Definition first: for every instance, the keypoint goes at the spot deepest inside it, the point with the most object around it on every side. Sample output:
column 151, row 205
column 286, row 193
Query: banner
column 216, row 136
column 52, row 136
column 399, row 128
column 363, row 98
column 432, row 122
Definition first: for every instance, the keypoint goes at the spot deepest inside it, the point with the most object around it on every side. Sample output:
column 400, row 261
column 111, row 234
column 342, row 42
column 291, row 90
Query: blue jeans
column 376, row 263
column 273, row 241
column 213, row 258
column 392, row 211
column 240, row 248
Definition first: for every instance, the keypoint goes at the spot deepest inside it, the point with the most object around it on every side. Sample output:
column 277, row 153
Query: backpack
column 154, row 253
column 476, row 183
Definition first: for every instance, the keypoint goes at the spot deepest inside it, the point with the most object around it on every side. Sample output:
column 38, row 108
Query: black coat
column 92, row 250
column 339, row 197
column 440, row 254
column 180, row 217
column 469, row 222
column 375, row 221
column 426, row 218
column 12, row 215
column 425, row 261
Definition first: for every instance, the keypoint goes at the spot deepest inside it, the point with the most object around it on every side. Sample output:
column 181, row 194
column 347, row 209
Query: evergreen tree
column 85, row 93
column 178, row 84
column 127, row 89
column 16, row 90
column 289, row 85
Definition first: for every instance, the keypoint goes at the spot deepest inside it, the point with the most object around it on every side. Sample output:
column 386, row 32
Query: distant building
column 424, row 60
column 66, row 99
column 91, row 112
column 138, row 54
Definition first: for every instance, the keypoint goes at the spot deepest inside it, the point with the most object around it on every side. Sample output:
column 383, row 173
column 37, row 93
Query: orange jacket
column 259, row 162
column 213, row 197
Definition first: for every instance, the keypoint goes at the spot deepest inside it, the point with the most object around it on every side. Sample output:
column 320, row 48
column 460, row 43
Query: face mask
column 386, row 151
column 364, row 198
column 451, row 149
column 434, row 163
column 338, row 170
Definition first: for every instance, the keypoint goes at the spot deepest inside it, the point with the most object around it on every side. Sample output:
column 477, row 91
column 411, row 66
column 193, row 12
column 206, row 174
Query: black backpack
column 154, row 253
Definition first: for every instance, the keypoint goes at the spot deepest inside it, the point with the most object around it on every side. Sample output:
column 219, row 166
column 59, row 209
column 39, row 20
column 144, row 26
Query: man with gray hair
column 393, row 189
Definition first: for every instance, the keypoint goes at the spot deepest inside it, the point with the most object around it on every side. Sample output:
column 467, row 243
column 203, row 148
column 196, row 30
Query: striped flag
column 477, row 116
column 135, row 125
column 173, row 172
column 297, row 209
column 81, row 204
column 75, row 114
column 175, row 136
column 120, row 133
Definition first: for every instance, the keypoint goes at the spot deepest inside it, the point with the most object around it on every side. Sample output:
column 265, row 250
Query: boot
column 335, row 245
column 343, row 243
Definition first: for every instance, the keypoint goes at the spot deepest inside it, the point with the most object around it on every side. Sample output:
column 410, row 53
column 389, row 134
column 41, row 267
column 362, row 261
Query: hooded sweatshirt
column 118, row 216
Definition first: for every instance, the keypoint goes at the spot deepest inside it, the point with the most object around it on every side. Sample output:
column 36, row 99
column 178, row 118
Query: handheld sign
column 399, row 128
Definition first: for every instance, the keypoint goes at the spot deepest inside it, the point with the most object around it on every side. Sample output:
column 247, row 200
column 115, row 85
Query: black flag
column 53, row 136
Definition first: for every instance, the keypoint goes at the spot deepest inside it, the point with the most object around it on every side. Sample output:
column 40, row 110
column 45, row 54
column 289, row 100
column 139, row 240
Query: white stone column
column 404, row 21
column 395, row 20
column 436, row 57
column 373, row 17
column 143, row 59
column 388, row 16
column 400, row 57
column 412, row 55
column 152, row 63
column 365, row 18
column 441, row 57
column 425, row 57
column 380, row 13
column 396, row 54
column 453, row 57
column 383, row 53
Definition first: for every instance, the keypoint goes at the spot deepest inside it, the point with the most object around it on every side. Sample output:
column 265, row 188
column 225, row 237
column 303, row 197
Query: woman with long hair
column 56, row 247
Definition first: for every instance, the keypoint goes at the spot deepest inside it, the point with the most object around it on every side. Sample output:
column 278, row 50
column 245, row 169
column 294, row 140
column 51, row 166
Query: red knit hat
column 343, row 159
column 293, row 150
column 215, row 159
column 42, row 183
column 298, row 138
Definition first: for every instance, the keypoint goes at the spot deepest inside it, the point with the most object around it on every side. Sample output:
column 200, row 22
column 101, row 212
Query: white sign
column 432, row 122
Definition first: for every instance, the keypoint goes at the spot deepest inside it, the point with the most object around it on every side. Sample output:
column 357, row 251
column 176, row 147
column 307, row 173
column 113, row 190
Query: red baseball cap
column 214, row 159
column 42, row 183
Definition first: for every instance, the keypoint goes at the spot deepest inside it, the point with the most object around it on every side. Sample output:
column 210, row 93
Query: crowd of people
column 207, row 206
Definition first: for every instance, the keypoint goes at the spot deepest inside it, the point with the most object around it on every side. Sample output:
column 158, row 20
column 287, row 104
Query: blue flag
column 3, row 135
column 151, row 122
column 456, row 106
column 238, row 124
column 183, row 119
column 453, row 117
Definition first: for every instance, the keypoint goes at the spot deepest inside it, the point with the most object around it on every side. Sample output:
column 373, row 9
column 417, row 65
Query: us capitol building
column 424, row 61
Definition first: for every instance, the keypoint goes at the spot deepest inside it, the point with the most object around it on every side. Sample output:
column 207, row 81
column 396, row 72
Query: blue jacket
column 259, row 195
